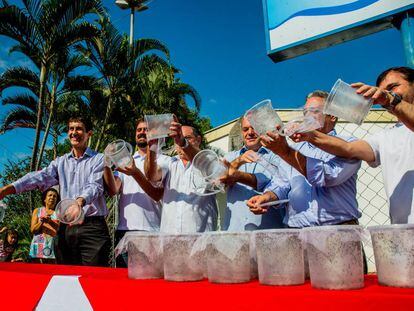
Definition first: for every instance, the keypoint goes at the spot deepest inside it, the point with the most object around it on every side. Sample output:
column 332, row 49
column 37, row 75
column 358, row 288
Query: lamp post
column 133, row 5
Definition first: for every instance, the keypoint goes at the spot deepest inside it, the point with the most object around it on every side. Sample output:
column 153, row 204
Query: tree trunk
column 39, row 118
column 105, row 123
column 47, row 129
column 55, row 144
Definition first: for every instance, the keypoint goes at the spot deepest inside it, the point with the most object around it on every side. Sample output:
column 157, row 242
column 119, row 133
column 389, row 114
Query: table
column 22, row 286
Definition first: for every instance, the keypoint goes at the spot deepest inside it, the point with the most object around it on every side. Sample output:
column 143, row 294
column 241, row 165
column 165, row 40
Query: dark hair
column 406, row 72
column 44, row 194
column 6, row 243
column 82, row 119
column 140, row 120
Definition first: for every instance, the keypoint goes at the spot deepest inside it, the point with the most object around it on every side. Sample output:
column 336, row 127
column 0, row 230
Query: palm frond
column 19, row 117
column 25, row 100
column 20, row 76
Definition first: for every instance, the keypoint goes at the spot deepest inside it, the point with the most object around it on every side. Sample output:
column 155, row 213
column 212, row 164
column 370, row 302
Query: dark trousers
column 122, row 259
column 87, row 244
column 364, row 257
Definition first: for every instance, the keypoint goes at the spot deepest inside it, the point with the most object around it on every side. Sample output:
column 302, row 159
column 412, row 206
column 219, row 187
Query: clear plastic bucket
column 280, row 257
column 184, row 258
column 343, row 102
column 301, row 124
column 158, row 125
column 69, row 212
column 228, row 257
column 207, row 170
column 335, row 256
column 394, row 254
column 263, row 118
column 120, row 153
column 145, row 259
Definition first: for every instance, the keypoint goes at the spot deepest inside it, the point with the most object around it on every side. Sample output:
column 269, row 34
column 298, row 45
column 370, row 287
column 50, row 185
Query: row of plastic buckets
column 334, row 254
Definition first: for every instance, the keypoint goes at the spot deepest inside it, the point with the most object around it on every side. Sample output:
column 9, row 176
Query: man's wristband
column 186, row 144
column 396, row 99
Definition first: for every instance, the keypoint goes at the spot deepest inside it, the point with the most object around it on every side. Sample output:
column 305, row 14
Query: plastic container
column 69, row 212
column 207, row 170
column 394, row 254
column 184, row 258
column 280, row 257
column 335, row 256
column 302, row 124
column 120, row 153
column 228, row 257
column 263, row 118
column 145, row 258
column 343, row 102
column 158, row 125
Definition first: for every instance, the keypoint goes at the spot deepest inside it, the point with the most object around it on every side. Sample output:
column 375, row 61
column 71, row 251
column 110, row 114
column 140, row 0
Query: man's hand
column 254, row 202
column 6, row 190
column 176, row 133
column 129, row 170
column 275, row 142
column 378, row 95
column 299, row 137
column 230, row 178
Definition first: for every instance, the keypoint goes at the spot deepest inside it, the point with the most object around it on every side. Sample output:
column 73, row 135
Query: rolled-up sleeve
column 374, row 141
column 332, row 172
column 279, row 184
column 41, row 180
column 261, row 181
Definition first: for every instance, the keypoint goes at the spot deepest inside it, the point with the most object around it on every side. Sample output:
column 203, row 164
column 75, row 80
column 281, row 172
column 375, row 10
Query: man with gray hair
column 321, row 187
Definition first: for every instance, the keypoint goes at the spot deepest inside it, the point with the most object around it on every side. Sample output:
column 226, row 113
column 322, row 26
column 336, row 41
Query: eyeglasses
column 312, row 110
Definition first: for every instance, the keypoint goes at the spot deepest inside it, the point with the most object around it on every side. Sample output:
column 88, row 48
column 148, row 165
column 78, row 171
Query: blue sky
column 220, row 48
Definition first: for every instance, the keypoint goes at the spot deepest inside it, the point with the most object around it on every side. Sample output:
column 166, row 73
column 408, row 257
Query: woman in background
column 44, row 227
column 8, row 244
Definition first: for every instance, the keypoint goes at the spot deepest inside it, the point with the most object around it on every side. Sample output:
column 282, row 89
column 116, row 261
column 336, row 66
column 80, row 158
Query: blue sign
column 297, row 27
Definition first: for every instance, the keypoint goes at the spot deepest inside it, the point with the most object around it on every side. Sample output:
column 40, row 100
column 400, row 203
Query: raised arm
column 112, row 184
column 393, row 102
column 278, row 145
column 358, row 149
column 154, row 192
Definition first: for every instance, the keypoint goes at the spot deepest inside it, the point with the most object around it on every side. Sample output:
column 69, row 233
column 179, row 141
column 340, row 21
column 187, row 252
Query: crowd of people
column 317, row 172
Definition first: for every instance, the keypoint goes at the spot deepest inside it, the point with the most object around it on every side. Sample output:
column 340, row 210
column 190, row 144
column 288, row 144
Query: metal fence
column 371, row 195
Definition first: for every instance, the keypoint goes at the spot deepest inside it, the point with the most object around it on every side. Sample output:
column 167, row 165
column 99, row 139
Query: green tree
column 43, row 30
column 116, row 62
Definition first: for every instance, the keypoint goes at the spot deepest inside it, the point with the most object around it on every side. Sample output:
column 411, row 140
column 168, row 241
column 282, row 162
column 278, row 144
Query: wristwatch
column 395, row 101
column 186, row 144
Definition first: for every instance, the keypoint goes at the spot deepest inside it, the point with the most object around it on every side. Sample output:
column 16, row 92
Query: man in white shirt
column 393, row 148
column 183, row 211
column 139, row 206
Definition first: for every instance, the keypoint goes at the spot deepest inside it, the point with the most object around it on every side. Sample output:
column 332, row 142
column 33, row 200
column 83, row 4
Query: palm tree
column 43, row 30
column 63, row 94
column 116, row 62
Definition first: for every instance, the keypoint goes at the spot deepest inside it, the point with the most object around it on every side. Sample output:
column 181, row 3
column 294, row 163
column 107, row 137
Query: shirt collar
column 88, row 152
column 262, row 150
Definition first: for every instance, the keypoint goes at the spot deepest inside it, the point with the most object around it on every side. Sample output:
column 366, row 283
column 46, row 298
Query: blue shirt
column 237, row 215
column 327, row 196
column 77, row 177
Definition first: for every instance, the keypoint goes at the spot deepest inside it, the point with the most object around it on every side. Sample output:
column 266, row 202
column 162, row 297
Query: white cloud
column 212, row 101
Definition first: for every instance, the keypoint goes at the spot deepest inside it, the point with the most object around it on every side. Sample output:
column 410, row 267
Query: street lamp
column 133, row 5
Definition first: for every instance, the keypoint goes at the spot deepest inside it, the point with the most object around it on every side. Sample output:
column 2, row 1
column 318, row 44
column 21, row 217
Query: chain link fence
column 371, row 195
